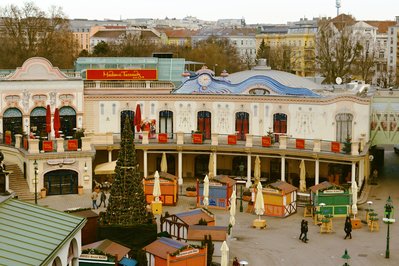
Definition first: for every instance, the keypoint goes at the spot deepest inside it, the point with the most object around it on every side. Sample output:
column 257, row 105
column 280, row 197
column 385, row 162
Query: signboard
column 232, row 139
column 162, row 138
column 335, row 146
column 72, row 144
column 266, row 141
column 121, row 74
column 333, row 191
column 47, row 145
column 300, row 143
column 93, row 256
column 187, row 252
column 197, row 138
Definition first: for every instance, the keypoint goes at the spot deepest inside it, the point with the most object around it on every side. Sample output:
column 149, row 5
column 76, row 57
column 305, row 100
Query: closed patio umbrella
column 354, row 198
column 56, row 123
column 257, row 169
column 157, row 187
column 137, row 118
column 48, row 119
column 211, row 166
column 164, row 163
column 206, row 191
column 233, row 207
column 302, row 177
column 224, row 250
column 259, row 202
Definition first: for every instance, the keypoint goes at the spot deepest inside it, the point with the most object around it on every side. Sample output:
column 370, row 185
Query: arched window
column 242, row 125
column 204, row 123
column 12, row 122
column 279, row 124
column 67, row 120
column 130, row 114
column 38, row 121
column 344, row 126
column 166, row 122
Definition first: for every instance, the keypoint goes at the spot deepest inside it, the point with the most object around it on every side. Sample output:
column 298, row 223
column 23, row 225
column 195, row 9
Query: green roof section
column 32, row 234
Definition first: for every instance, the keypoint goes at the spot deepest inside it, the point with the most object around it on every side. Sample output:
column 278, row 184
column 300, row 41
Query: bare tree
column 336, row 51
column 29, row 31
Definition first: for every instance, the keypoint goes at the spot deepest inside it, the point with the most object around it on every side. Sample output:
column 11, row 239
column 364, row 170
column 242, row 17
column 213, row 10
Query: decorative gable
column 37, row 68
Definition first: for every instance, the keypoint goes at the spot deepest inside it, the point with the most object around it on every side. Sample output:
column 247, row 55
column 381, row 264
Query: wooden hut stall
column 169, row 188
column 280, row 199
column 220, row 190
column 336, row 198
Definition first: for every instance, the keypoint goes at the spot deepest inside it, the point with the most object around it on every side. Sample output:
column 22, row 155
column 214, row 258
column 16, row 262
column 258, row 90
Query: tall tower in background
column 338, row 5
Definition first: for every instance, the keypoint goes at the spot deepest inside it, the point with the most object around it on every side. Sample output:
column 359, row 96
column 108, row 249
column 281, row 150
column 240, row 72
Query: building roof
column 283, row 186
column 163, row 175
column 382, row 26
column 324, row 185
column 31, row 234
column 112, row 34
column 179, row 33
column 198, row 232
column 108, row 246
column 164, row 246
column 192, row 217
column 224, row 179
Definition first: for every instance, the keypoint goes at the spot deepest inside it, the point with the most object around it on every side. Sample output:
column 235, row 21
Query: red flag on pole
column 48, row 119
column 56, row 124
column 137, row 118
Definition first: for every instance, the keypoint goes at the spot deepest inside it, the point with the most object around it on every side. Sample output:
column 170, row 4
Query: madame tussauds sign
column 121, row 74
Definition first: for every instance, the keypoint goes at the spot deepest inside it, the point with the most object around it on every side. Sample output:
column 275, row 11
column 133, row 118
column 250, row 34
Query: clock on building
column 204, row 80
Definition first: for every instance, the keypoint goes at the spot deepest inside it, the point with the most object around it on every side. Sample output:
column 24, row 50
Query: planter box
column 191, row 193
column 47, row 145
column 197, row 138
column 72, row 145
column 162, row 138
column 232, row 139
column 335, row 146
column 266, row 141
column 300, row 143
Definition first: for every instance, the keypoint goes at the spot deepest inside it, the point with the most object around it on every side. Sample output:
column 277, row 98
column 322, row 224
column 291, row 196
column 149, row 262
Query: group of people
column 304, row 229
column 94, row 197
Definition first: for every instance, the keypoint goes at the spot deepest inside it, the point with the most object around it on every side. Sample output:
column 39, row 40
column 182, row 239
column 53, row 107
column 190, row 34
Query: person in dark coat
column 348, row 227
column 305, row 232
column 302, row 229
column 235, row 262
column 103, row 197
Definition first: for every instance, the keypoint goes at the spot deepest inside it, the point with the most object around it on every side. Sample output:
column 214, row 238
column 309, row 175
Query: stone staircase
column 18, row 184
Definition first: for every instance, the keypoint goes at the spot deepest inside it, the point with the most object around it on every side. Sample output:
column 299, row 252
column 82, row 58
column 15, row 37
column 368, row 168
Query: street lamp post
column 346, row 257
column 36, row 171
column 241, row 167
column 241, row 208
column 388, row 220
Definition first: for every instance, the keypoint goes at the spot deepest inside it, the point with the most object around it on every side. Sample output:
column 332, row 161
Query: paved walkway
column 278, row 244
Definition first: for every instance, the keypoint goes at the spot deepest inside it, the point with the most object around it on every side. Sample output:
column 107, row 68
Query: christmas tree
column 347, row 145
column 127, row 205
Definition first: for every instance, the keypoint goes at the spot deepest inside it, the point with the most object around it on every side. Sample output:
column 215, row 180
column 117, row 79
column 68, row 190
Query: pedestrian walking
column 94, row 197
column 302, row 229
column 348, row 227
column 103, row 198
column 235, row 262
column 305, row 232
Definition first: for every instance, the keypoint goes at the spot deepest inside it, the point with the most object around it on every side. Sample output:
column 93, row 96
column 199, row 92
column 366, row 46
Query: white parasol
column 211, row 166
column 259, row 202
column 257, row 169
column 354, row 198
column 157, row 187
column 206, row 191
column 302, row 177
column 233, row 207
column 224, row 250
column 164, row 163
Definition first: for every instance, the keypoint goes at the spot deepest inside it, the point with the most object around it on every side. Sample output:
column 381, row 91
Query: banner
column 232, row 139
column 47, row 145
column 72, row 144
column 266, row 141
column 121, row 74
column 300, row 143
column 162, row 137
column 335, row 146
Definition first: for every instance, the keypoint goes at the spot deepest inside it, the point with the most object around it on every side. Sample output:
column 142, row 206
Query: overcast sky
column 254, row 11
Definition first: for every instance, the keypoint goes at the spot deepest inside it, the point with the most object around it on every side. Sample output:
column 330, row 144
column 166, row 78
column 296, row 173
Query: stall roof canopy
column 164, row 246
column 105, row 168
column 224, row 179
column 283, row 186
column 325, row 185
column 108, row 246
column 192, row 217
column 198, row 232
column 31, row 234
column 164, row 175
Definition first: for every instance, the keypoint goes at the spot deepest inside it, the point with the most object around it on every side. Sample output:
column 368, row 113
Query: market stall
column 169, row 188
column 220, row 190
column 280, row 199
column 331, row 199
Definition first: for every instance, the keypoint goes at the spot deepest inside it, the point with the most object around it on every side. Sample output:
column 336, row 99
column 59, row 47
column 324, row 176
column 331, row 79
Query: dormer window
column 259, row 91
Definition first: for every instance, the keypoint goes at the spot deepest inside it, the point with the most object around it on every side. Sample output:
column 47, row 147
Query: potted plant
column 246, row 195
column 43, row 193
column 191, row 191
column 80, row 190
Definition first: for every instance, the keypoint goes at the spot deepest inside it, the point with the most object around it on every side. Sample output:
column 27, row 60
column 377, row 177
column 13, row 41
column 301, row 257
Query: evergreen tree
column 127, row 205
column 210, row 248
column 347, row 145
